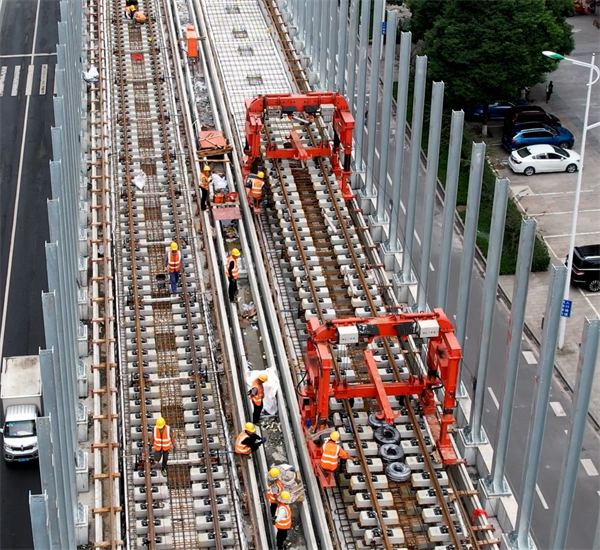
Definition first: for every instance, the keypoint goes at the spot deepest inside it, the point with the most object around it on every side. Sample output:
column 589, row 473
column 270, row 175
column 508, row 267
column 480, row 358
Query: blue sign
column 566, row 308
column 384, row 27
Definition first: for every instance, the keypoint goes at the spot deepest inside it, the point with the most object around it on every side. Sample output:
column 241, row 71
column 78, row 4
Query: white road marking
column 589, row 467
column 530, row 357
column 13, row 55
column 557, row 408
column 568, row 212
column 493, row 396
column 43, row 79
column 29, row 83
column 542, row 499
column 563, row 235
column 549, row 194
column 2, row 79
column 589, row 303
column 15, row 84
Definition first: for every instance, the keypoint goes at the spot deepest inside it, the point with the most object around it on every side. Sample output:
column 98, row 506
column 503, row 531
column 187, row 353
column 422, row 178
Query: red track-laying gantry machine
column 443, row 358
column 303, row 108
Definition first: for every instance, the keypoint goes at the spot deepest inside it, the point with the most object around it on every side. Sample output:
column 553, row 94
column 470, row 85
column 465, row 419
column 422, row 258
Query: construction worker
column 231, row 268
column 130, row 8
column 274, row 489
column 139, row 17
column 162, row 442
column 332, row 452
column 248, row 440
column 204, row 186
column 257, row 393
column 255, row 184
column 174, row 266
column 283, row 518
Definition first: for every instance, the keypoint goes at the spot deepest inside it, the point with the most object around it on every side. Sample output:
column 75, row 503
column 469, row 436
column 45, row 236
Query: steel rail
column 118, row 15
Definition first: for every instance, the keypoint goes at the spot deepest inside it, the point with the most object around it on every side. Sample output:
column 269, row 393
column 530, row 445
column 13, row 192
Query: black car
column 586, row 267
column 528, row 113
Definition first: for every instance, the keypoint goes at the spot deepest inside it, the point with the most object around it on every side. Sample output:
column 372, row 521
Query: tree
column 490, row 49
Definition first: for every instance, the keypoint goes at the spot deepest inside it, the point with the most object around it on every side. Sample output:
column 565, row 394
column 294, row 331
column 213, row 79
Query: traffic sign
column 383, row 27
column 566, row 308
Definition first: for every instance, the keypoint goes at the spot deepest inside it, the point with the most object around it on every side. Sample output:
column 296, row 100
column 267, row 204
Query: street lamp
column 593, row 71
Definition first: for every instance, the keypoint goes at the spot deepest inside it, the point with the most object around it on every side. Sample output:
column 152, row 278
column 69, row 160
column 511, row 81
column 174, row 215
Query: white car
column 543, row 158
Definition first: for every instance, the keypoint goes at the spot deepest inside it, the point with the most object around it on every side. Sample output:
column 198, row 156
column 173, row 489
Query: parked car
column 536, row 133
column 496, row 110
column 584, row 7
column 543, row 158
column 586, row 267
column 528, row 113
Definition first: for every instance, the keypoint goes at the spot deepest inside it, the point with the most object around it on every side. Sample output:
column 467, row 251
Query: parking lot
column 549, row 198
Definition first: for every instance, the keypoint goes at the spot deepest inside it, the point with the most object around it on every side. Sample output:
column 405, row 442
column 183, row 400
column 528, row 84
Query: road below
column 28, row 37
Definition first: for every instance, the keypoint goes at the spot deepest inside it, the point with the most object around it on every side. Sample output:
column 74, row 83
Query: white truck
column 21, row 395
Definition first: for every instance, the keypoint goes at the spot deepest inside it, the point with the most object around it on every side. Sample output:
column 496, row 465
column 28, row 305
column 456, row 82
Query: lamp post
column 593, row 71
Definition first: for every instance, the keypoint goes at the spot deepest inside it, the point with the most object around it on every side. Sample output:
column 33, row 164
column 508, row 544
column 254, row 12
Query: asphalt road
column 26, row 115
column 586, row 503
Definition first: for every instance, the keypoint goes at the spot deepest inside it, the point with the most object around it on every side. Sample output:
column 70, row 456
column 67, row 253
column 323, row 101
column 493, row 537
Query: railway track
column 168, row 350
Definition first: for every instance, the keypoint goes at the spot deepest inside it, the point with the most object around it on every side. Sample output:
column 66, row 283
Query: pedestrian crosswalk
column 25, row 80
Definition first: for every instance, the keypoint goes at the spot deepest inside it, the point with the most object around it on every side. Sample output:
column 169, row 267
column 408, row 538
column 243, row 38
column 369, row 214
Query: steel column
column 352, row 55
column 340, row 76
column 386, row 117
column 324, row 39
column 543, row 379
column 309, row 30
column 378, row 15
column 401, row 103
column 469, row 241
column 495, row 483
column 363, row 48
column 490, row 291
column 450, row 192
column 415, row 163
column 38, row 514
column 433, row 158
column 333, row 42
column 586, row 367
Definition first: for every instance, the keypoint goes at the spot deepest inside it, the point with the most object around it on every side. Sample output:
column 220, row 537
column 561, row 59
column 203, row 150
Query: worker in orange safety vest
column 204, row 186
column 174, row 266
column 274, row 488
column 332, row 452
column 248, row 440
column 162, row 442
column 283, row 518
column 255, row 184
column 257, row 393
column 130, row 9
column 232, row 270
column 139, row 17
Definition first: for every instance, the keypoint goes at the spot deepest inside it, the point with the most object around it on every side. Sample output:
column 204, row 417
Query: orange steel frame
column 310, row 103
column 443, row 359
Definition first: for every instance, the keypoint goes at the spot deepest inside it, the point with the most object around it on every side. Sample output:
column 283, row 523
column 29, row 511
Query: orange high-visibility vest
column 139, row 17
column 331, row 456
column 273, row 491
column 242, row 448
column 162, row 438
column 174, row 261
column 256, row 189
column 204, row 181
column 235, row 270
column 260, row 393
column 286, row 522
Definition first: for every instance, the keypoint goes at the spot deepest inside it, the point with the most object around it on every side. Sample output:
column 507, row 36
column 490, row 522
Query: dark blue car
column 496, row 110
column 536, row 133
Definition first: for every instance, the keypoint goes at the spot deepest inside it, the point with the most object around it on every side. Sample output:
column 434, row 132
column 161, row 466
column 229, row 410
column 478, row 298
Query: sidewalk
column 553, row 210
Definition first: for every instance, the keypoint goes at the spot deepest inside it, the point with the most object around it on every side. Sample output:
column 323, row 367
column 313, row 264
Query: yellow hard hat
column 284, row 496
column 160, row 422
column 263, row 377
column 206, row 168
column 334, row 436
column 235, row 252
column 261, row 175
column 249, row 427
column 174, row 246
column 274, row 472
